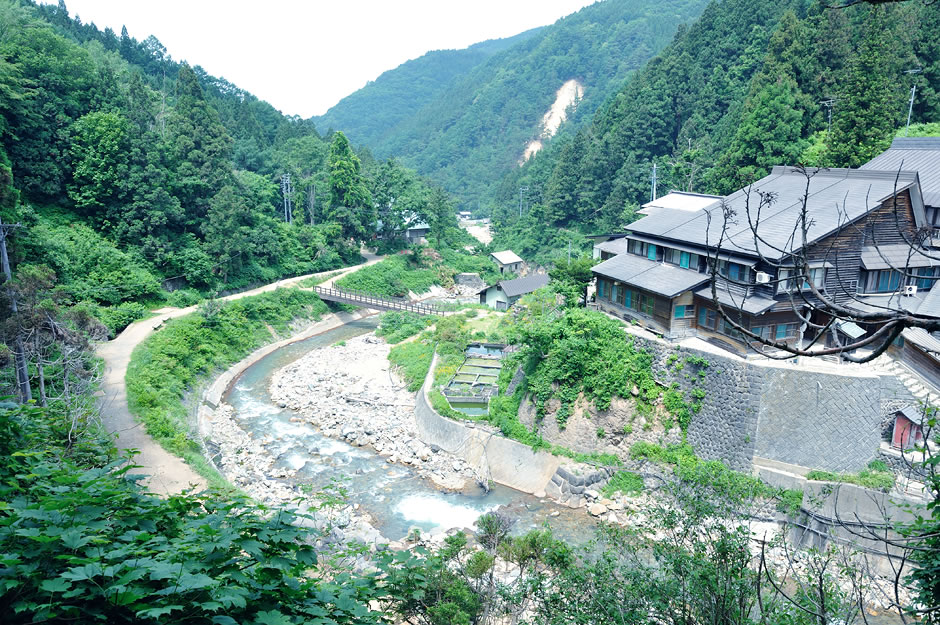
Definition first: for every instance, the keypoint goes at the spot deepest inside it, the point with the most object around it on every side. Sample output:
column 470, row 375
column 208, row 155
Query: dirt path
column 168, row 474
column 479, row 231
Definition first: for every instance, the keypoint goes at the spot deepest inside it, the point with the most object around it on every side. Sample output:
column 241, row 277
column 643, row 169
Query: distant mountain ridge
column 370, row 113
column 467, row 136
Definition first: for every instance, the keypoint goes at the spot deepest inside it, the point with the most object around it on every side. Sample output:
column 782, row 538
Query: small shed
column 507, row 260
column 505, row 293
column 417, row 233
column 908, row 431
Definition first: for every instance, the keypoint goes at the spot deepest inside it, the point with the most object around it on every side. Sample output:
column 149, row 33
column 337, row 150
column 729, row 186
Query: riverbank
column 349, row 391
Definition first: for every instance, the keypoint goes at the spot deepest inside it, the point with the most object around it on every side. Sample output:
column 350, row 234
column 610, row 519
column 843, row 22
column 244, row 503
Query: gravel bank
column 348, row 391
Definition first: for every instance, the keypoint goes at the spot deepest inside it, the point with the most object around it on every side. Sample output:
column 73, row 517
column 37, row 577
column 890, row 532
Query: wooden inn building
column 860, row 223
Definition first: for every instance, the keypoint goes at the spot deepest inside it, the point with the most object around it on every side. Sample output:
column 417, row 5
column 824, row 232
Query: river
column 395, row 497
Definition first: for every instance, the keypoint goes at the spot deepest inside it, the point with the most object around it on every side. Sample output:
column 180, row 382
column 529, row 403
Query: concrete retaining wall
column 504, row 461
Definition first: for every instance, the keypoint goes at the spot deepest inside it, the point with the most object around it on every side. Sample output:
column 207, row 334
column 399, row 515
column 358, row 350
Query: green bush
column 182, row 298
column 119, row 317
column 187, row 350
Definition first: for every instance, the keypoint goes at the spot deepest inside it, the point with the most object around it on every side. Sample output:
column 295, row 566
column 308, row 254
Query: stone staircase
column 919, row 388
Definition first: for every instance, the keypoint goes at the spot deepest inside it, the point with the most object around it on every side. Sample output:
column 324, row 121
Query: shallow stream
column 394, row 495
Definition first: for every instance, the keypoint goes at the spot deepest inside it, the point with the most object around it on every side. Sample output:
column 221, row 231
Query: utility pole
column 522, row 193
column 828, row 104
column 286, row 191
column 910, row 106
column 653, row 186
column 19, row 354
column 313, row 201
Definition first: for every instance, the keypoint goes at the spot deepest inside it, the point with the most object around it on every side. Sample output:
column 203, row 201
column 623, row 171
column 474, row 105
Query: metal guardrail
column 370, row 300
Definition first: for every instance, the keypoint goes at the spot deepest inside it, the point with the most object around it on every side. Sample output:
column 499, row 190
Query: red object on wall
column 907, row 434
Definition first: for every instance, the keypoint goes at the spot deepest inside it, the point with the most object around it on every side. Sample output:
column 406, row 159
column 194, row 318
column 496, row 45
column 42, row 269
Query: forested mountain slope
column 738, row 91
column 129, row 171
column 477, row 130
column 369, row 115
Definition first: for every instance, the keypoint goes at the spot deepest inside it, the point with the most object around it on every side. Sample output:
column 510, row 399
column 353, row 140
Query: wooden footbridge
column 363, row 299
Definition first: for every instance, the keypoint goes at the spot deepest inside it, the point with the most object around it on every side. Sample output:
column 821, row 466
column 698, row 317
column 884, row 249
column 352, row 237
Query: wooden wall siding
column 843, row 249
column 921, row 362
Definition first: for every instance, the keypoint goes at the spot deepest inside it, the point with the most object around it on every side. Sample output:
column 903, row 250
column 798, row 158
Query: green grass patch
column 413, row 360
column 623, row 482
column 188, row 350
column 396, row 326
column 877, row 477
column 393, row 277
column 715, row 476
column 315, row 280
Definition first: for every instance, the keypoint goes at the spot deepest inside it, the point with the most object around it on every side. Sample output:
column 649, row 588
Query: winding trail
column 167, row 473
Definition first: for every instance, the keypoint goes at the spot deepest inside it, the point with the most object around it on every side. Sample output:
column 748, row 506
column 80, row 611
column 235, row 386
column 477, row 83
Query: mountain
column 368, row 115
column 736, row 92
column 478, row 128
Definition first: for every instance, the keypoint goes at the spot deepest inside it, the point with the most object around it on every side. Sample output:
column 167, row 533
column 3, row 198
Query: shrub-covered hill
column 472, row 133
column 370, row 114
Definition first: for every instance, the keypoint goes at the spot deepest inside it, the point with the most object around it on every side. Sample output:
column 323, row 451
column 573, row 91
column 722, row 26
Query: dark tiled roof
column 896, row 257
column 614, row 246
column 752, row 305
column 920, row 154
column 650, row 275
column 834, row 196
column 521, row 286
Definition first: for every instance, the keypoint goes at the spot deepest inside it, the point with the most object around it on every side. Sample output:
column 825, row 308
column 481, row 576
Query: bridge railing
column 370, row 300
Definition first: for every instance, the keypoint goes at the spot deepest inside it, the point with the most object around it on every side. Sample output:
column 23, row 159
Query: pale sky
column 304, row 56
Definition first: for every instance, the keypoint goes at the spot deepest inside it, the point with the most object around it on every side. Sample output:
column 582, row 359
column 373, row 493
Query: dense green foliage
column 469, row 134
column 132, row 173
column 171, row 363
column 82, row 542
column 624, row 483
column 393, row 277
column 585, row 352
column 368, row 115
column 396, row 326
column 738, row 91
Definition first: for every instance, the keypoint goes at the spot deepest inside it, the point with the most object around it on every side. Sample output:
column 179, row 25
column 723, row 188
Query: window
column 601, row 286
column 627, row 298
column 933, row 216
column 646, row 304
column 684, row 260
column 925, row 281
column 786, row 331
column 762, row 331
column 622, row 295
column 651, row 252
column 787, row 279
column 727, row 329
column 707, row 318
column 636, row 247
column 683, row 312
column 888, row 280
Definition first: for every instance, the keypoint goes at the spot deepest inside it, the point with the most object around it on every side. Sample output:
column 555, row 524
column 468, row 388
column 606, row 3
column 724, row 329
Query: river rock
column 597, row 509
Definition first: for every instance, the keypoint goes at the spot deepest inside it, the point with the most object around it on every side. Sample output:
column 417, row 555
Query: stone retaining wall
column 814, row 418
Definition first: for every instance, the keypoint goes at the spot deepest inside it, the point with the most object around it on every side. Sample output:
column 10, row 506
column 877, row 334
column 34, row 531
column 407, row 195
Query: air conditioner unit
column 762, row 277
column 910, row 289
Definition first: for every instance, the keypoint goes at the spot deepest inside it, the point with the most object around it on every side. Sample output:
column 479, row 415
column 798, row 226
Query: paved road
column 168, row 473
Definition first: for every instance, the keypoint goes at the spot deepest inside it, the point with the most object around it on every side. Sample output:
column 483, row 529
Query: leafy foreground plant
column 88, row 544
